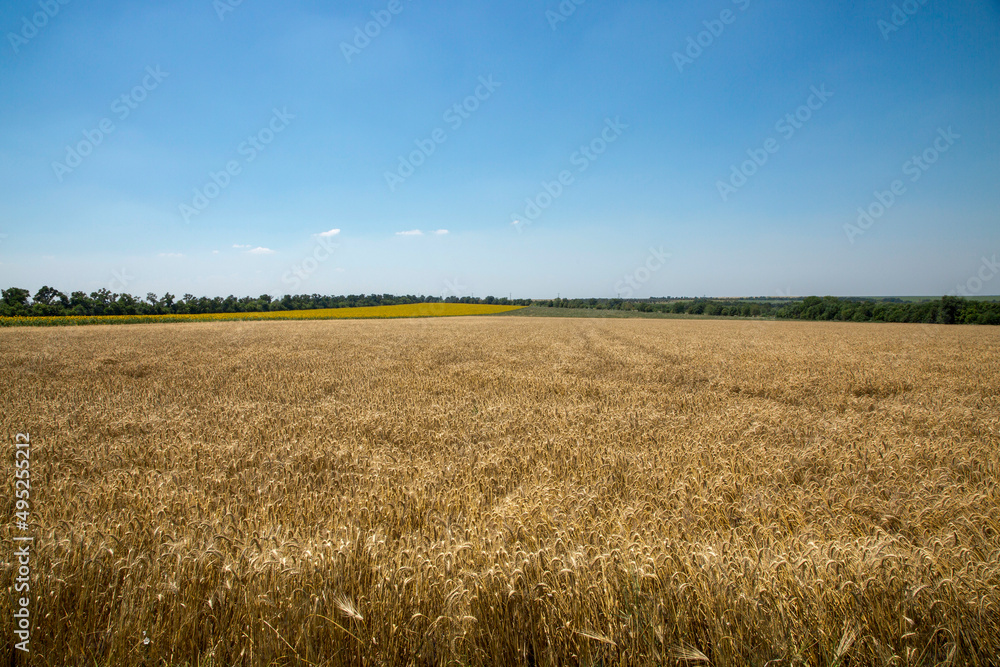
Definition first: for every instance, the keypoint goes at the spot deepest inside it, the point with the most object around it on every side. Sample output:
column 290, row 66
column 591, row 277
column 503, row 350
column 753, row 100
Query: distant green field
column 891, row 310
column 780, row 300
column 918, row 299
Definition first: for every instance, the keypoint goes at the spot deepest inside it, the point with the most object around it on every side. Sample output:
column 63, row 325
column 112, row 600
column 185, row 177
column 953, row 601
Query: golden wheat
column 509, row 491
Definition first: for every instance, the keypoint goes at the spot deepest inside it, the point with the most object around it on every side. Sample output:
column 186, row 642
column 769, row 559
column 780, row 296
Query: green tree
column 46, row 295
column 15, row 301
column 948, row 309
column 15, row 296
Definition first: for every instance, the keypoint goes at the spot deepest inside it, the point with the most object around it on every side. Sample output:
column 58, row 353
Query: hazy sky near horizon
column 723, row 148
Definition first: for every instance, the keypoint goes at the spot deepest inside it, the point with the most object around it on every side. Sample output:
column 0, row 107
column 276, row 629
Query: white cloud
column 332, row 232
column 173, row 255
column 441, row 232
column 412, row 232
column 240, row 247
column 261, row 251
column 215, row 252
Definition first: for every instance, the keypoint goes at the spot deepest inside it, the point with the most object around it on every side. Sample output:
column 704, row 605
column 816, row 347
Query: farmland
column 510, row 490
column 366, row 312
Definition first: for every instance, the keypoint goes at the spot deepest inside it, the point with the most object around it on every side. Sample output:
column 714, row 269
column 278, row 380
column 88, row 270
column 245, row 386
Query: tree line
column 47, row 301
column 947, row 310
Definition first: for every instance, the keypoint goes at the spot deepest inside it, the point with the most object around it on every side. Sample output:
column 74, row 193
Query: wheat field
column 500, row 491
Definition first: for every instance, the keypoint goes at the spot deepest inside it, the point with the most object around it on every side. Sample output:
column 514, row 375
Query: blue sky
column 722, row 148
